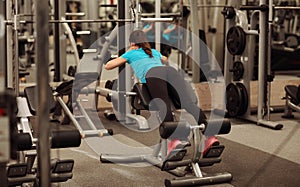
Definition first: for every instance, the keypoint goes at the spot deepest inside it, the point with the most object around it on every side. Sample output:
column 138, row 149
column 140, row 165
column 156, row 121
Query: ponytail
column 139, row 38
column 147, row 48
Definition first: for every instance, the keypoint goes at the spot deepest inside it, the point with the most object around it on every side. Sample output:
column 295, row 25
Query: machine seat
column 30, row 95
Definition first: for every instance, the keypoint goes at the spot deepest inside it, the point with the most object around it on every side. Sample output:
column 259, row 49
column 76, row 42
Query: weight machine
column 182, row 129
column 239, row 60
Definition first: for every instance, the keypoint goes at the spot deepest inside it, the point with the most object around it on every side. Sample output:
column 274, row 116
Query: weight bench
column 72, row 89
column 292, row 97
column 187, row 170
column 30, row 96
column 176, row 158
column 25, row 172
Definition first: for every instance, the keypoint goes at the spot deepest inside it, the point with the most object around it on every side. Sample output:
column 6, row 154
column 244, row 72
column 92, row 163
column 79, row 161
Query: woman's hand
column 164, row 60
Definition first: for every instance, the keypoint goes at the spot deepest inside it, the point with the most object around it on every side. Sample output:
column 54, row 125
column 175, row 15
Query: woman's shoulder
column 133, row 50
column 154, row 51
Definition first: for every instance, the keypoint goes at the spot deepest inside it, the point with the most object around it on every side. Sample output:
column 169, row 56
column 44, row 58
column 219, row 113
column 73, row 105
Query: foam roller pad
column 23, row 141
column 218, row 126
column 174, row 130
column 64, row 139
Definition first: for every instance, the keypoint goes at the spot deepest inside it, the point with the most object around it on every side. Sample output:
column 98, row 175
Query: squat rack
column 263, row 13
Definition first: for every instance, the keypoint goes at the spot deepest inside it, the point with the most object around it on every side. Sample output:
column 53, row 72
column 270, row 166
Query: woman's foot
column 172, row 145
column 176, row 150
column 209, row 142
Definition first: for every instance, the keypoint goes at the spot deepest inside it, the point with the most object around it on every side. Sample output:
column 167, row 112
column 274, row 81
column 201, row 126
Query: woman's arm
column 147, row 29
column 119, row 61
column 169, row 29
column 114, row 63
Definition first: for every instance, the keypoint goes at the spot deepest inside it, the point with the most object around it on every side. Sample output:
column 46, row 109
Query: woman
column 149, row 67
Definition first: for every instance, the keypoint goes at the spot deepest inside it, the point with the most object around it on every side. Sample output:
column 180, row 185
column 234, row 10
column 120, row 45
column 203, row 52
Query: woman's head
column 138, row 37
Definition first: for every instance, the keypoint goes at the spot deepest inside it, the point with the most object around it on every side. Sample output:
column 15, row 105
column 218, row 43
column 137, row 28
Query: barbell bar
column 74, row 14
column 250, row 7
column 16, row 21
column 90, row 20
column 162, row 14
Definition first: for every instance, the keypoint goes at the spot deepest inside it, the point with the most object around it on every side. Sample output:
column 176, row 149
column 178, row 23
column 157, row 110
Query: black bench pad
column 30, row 96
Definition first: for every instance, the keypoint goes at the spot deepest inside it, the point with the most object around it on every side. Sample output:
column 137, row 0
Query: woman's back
column 141, row 62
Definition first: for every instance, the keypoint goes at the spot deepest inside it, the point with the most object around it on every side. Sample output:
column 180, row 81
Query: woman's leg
column 158, row 90
column 176, row 80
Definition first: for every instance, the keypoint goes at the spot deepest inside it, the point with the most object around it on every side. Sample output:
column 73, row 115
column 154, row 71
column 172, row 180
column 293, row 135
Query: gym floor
column 254, row 155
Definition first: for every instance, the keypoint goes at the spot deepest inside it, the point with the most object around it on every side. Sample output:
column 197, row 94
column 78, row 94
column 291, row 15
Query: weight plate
column 238, row 70
column 233, row 100
column 236, row 40
column 236, row 99
column 244, row 96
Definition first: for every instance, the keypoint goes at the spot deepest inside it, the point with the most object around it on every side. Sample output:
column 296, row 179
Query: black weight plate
column 236, row 40
column 244, row 96
column 238, row 70
column 233, row 100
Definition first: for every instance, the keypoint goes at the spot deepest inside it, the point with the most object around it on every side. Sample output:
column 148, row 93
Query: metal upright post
column 157, row 25
column 9, row 46
column 4, row 131
column 270, row 20
column 262, row 57
column 15, row 55
column 128, row 70
column 56, row 34
column 195, row 41
column 42, row 62
column 138, row 14
column 121, row 48
column 3, row 54
column 59, row 41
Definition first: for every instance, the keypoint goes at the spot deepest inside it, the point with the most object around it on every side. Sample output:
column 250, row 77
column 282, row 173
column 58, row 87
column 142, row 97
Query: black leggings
column 167, row 84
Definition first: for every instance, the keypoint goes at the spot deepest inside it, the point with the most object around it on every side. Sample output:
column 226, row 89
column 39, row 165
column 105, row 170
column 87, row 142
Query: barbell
column 16, row 21
column 88, row 20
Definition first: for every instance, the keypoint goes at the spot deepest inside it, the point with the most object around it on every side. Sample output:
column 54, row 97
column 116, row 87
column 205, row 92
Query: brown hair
column 139, row 38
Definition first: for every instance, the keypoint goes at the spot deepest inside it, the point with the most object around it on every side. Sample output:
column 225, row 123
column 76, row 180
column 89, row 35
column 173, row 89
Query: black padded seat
column 143, row 98
column 293, row 92
column 65, row 88
column 30, row 96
